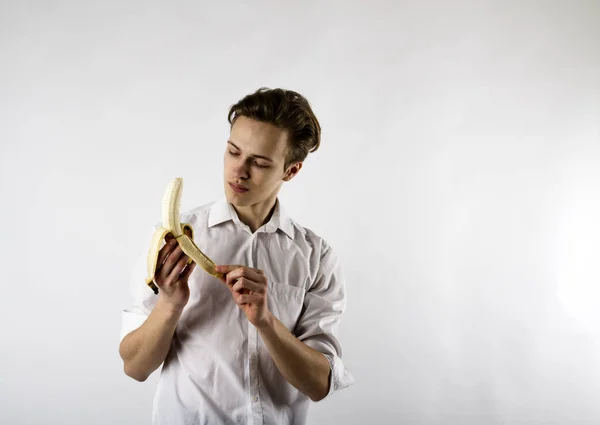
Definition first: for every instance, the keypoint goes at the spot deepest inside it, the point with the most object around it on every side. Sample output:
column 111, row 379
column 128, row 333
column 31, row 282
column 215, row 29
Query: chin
column 236, row 199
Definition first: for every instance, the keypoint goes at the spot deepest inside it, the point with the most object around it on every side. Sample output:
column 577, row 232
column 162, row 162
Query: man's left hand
column 248, row 287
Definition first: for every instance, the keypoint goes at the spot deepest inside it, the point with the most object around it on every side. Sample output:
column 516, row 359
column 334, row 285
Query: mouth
column 238, row 189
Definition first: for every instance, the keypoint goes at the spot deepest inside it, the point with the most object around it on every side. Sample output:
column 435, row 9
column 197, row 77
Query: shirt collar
column 222, row 211
column 219, row 212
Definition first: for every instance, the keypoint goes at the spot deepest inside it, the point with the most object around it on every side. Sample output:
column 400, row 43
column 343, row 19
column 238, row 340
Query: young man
column 255, row 347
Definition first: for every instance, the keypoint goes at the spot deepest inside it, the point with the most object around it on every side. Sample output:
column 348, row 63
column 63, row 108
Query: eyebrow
column 255, row 156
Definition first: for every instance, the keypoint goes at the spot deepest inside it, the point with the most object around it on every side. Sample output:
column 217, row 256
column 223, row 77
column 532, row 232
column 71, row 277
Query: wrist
column 167, row 309
column 268, row 323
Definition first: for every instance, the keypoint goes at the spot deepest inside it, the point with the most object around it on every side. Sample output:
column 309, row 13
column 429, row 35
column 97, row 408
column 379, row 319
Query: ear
column 292, row 171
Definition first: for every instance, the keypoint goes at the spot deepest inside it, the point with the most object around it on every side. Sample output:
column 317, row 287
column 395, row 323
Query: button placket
column 253, row 352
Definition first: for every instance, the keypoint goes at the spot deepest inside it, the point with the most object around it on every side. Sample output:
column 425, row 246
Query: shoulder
column 198, row 212
column 194, row 215
column 323, row 260
column 319, row 245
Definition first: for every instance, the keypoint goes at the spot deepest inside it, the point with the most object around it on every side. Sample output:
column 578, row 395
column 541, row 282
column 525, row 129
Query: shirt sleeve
column 318, row 325
column 143, row 298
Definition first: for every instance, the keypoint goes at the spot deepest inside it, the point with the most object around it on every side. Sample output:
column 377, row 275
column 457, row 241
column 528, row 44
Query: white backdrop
column 458, row 178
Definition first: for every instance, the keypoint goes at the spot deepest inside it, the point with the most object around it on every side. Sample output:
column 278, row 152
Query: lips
column 238, row 189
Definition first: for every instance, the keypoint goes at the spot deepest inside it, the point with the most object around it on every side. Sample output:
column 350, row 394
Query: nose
column 240, row 170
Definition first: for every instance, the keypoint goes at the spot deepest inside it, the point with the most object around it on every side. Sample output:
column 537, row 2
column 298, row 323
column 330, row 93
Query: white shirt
column 218, row 370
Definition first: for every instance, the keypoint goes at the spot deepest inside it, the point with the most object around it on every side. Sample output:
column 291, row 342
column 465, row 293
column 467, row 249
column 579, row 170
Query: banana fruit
column 181, row 231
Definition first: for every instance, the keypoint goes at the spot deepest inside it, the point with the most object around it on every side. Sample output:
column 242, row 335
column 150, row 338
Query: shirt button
column 254, row 399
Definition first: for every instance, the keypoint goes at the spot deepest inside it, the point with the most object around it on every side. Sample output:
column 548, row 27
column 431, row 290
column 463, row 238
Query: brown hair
column 287, row 110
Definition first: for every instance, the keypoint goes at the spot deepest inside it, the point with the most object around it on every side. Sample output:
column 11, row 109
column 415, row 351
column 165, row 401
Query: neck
column 254, row 216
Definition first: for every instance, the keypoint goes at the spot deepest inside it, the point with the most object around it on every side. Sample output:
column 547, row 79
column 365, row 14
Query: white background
column 458, row 178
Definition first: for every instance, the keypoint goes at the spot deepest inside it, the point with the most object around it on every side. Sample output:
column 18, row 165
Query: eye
column 260, row 166
column 234, row 153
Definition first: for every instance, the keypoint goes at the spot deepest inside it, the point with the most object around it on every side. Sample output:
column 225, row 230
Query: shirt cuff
column 340, row 376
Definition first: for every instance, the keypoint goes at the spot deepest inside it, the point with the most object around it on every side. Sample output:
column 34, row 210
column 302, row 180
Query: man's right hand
column 172, row 274
column 144, row 349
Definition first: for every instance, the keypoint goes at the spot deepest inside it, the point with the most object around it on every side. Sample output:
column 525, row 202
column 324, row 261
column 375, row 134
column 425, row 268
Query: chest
column 290, row 268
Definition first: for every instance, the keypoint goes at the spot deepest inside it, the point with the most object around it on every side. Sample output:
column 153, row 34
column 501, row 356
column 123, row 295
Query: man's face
column 254, row 159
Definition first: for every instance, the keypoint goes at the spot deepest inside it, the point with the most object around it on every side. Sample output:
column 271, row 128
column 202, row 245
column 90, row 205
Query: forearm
column 302, row 366
column 144, row 349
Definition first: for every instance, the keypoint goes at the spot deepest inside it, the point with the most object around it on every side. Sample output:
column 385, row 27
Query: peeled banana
column 171, row 225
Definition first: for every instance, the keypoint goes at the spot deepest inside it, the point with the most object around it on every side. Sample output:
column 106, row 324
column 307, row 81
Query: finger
column 230, row 279
column 256, row 275
column 245, row 284
column 248, row 299
column 226, row 268
column 246, row 272
column 232, row 276
column 179, row 267
column 166, row 249
column 173, row 255
column 171, row 262
column 185, row 275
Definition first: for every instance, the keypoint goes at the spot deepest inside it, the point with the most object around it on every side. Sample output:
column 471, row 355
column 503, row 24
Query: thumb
column 226, row 268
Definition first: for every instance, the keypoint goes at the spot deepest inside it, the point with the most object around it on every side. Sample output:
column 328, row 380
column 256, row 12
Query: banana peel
column 183, row 232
